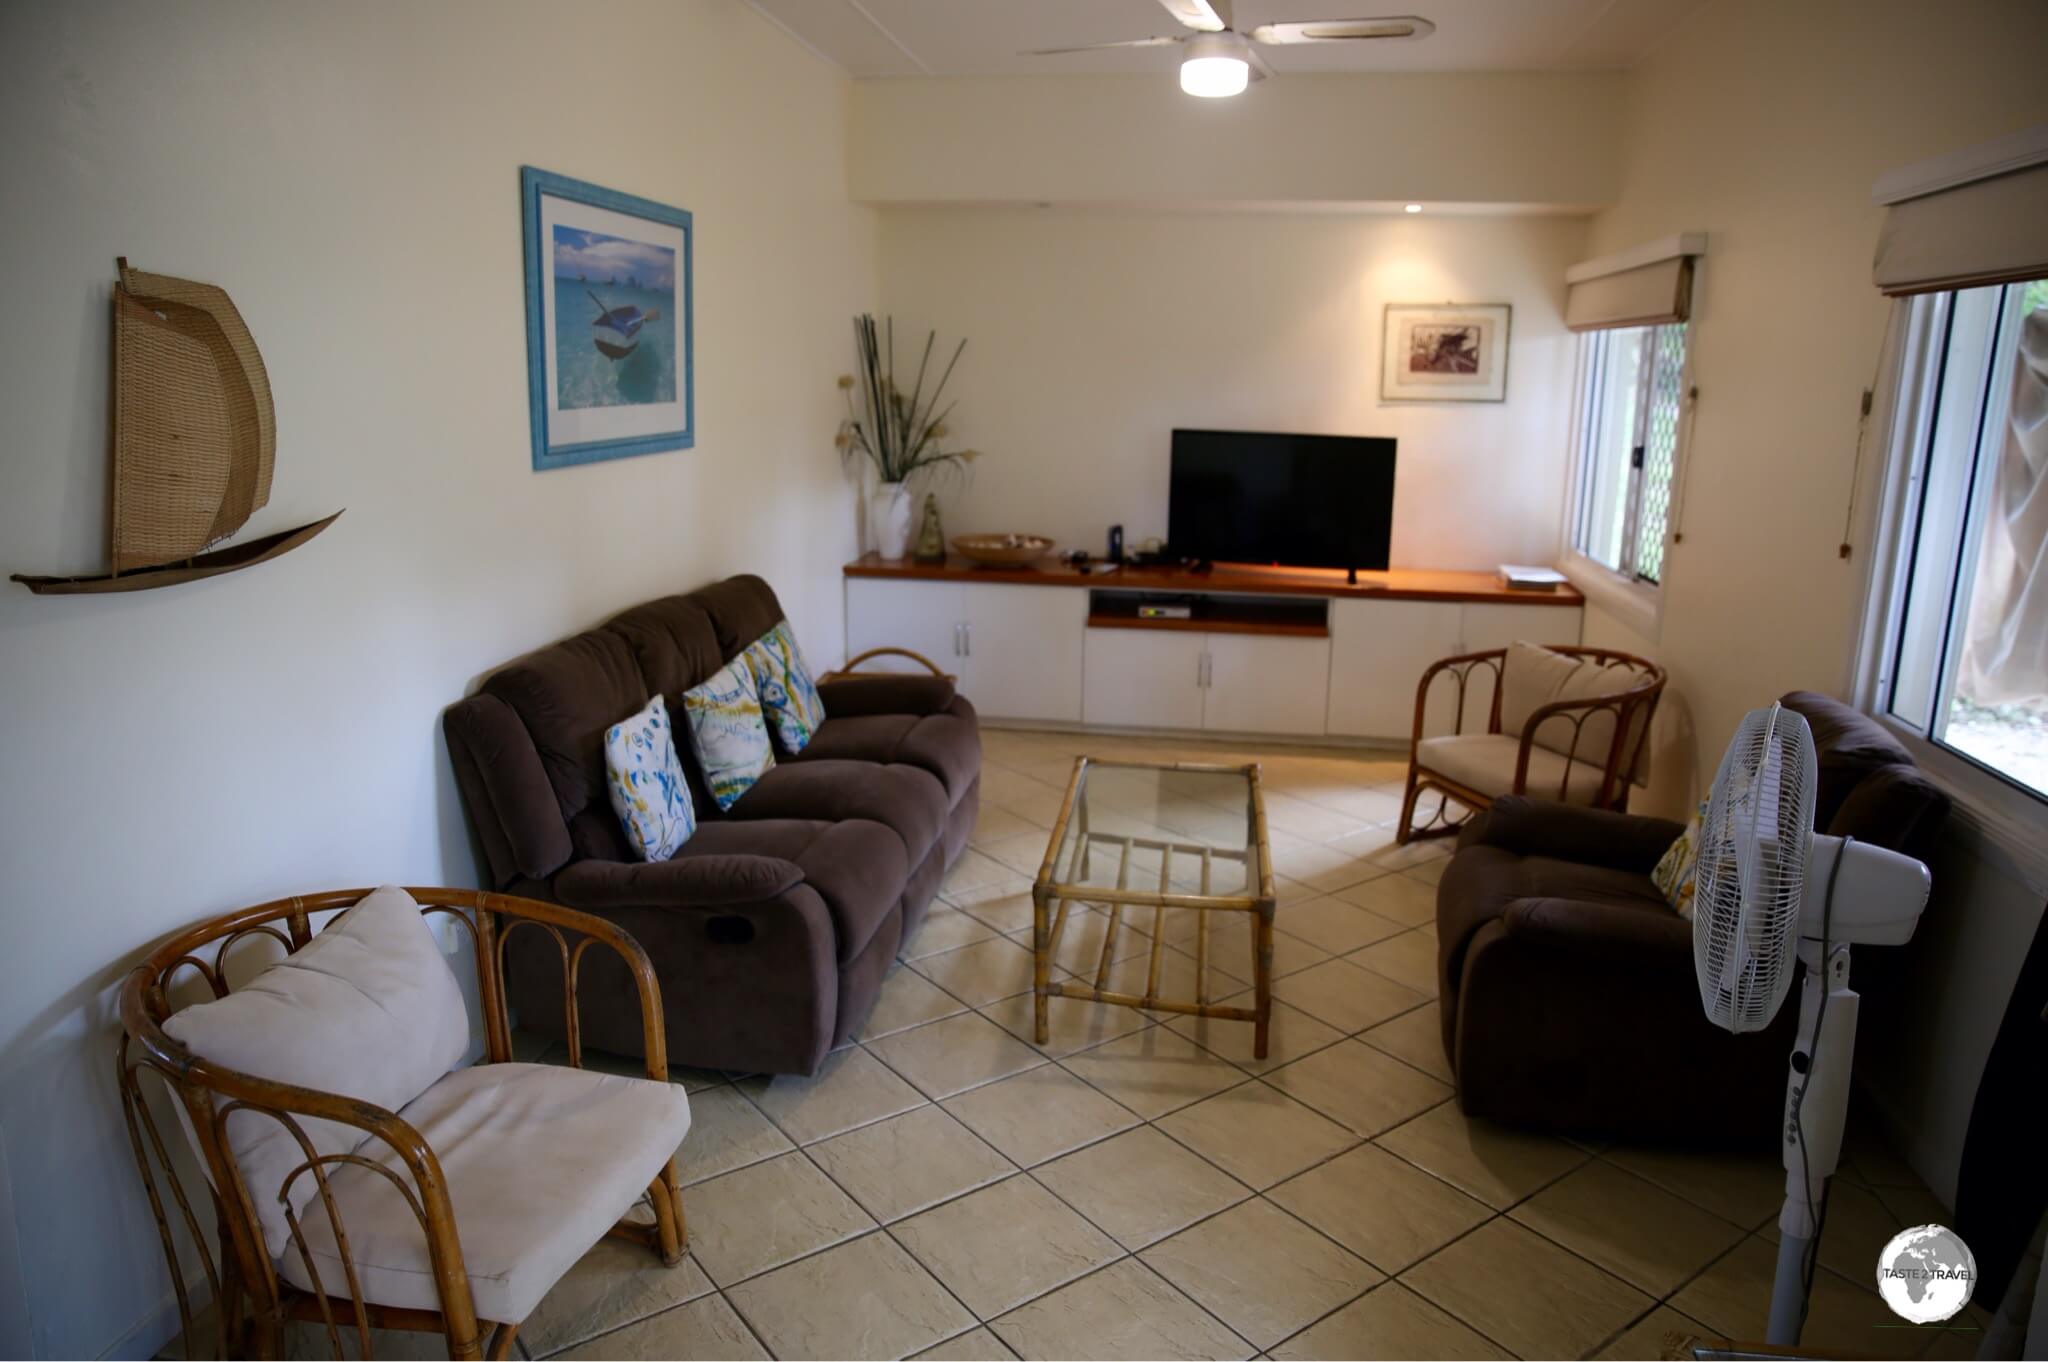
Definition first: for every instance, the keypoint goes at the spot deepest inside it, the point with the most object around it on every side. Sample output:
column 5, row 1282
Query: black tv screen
column 1322, row 501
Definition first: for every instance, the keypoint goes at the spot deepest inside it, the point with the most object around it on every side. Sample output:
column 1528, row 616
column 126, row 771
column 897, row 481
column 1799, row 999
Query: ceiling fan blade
column 1394, row 27
column 1260, row 68
column 1099, row 47
column 1204, row 16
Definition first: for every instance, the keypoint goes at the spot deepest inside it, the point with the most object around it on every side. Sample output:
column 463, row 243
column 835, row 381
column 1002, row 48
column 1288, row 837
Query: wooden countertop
column 1397, row 584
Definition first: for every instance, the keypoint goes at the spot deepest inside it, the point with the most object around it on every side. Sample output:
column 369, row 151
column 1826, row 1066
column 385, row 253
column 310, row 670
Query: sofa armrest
column 686, row 882
column 1606, row 929
column 1567, row 832
column 849, row 697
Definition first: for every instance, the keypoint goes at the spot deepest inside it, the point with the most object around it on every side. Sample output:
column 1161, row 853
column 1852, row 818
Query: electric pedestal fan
column 1769, row 891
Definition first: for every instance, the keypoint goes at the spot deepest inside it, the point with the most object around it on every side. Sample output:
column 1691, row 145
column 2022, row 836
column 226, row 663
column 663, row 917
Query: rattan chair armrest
column 1467, row 661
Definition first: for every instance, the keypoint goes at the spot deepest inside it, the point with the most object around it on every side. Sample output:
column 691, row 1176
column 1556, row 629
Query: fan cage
column 1754, row 841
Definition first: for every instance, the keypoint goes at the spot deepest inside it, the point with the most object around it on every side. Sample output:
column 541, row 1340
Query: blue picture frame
column 673, row 386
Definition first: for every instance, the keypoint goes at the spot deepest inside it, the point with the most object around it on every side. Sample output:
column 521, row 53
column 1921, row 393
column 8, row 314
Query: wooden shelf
column 1398, row 584
column 1200, row 625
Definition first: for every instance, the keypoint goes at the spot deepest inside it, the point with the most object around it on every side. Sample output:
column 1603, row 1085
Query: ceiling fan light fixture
column 1214, row 66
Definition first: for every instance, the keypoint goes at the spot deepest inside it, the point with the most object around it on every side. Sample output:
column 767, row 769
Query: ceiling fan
column 1219, row 61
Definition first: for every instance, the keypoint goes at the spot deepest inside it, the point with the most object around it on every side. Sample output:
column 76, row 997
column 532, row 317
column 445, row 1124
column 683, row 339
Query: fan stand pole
column 1822, row 1071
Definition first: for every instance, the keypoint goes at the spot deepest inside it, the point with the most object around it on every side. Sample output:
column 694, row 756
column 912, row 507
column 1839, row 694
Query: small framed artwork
column 1448, row 352
column 610, row 351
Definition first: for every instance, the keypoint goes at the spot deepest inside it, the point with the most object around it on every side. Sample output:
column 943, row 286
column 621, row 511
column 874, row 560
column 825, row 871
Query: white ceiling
column 985, row 37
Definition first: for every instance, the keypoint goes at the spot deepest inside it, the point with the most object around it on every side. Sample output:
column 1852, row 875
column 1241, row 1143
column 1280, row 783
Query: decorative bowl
column 1003, row 550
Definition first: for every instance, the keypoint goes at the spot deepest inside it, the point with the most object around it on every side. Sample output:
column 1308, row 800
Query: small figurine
column 931, row 539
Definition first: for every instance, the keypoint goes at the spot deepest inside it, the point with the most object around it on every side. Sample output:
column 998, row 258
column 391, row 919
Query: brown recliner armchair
column 1567, row 988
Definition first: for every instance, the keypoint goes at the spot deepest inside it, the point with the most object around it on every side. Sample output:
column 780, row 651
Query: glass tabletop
column 1154, row 830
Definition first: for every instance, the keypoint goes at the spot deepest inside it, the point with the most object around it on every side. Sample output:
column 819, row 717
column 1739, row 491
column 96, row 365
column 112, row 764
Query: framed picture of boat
column 609, row 343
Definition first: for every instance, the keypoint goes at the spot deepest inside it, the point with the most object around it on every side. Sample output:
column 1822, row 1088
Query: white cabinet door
column 921, row 616
column 1496, row 626
column 1142, row 678
column 1378, row 653
column 1023, row 650
column 1266, row 683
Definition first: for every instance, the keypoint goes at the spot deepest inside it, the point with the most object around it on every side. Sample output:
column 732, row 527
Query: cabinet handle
column 967, row 639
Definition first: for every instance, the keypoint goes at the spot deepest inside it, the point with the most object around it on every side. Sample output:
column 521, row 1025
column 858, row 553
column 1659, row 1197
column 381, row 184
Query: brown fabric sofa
column 772, row 927
column 1568, row 996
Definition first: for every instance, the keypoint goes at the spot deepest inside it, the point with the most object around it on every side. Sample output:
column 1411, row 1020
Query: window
column 1631, row 389
column 1965, row 654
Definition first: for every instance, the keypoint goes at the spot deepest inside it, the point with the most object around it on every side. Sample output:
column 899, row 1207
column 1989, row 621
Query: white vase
column 889, row 519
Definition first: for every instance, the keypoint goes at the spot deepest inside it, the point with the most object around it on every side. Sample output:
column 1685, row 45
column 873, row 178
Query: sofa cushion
column 672, row 640
column 857, row 867
column 907, row 800
column 1533, row 677
column 1848, row 745
column 946, row 745
column 728, row 732
column 368, row 1009
column 886, row 693
column 540, row 1161
column 567, row 695
column 740, row 609
column 517, row 817
column 646, row 783
column 1485, row 762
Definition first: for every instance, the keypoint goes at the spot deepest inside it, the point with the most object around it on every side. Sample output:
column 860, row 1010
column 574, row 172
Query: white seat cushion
column 540, row 1161
column 1485, row 762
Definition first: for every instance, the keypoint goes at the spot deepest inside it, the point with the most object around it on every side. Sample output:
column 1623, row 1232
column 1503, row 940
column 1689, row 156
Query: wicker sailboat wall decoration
column 194, row 441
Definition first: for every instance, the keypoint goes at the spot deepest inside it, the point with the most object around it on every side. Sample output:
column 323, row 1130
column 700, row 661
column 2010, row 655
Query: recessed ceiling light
column 1412, row 208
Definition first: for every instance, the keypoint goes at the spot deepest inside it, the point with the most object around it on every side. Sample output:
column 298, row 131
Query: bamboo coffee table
column 1105, row 849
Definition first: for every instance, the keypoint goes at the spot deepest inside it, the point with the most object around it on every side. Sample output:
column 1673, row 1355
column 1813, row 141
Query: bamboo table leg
column 1262, row 977
column 1041, row 962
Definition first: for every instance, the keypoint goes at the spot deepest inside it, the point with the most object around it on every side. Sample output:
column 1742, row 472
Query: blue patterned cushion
column 646, row 783
column 728, row 732
column 788, row 695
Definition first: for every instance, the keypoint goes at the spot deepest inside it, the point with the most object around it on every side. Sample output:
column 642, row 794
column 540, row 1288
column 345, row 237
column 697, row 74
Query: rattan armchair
column 1466, row 772
column 253, row 1302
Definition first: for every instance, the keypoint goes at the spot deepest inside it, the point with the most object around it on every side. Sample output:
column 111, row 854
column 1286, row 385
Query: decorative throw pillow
column 728, row 732
column 1533, row 677
column 1674, row 873
column 645, row 776
column 789, row 697
column 368, row 1009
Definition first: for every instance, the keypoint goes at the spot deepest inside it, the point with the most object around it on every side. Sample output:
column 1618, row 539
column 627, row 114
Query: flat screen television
column 1322, row 501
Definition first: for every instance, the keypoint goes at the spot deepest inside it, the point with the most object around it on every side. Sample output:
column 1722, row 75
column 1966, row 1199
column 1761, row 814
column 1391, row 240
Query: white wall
column 1092, row 332
column 351, row 175
column 1465, row 137
column 1765, row 125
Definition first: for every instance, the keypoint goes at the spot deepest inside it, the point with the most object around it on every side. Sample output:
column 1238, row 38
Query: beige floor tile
column 1004, row 1245
column 1257, row 1134
column 1409, row 959
column 1345, row 996
column 908, row 999
column 1859, row 1226
column 976, row 1345
column 307, row 1341
column 1154, row 1071
column 764, row 1215
column 1303, row 818
column 1389, row 1321
column 1397, row 857
column 614, row 1284
column 1324, row 867
column 1124, row 1311
column 1384, row 1209
column 1291, row 1033
column 706, row 1327
column 1023, row 851
column 976, row 879
column 1639, row 1232
column 851, row 1088
column 1260, row 1271
column 1081, row 939
column 1335, row 925
column 1360, row 1087
column 1733, row 1298
column 1746, row 1189
column 1661, row 1333
column 1032, row 800
column 1039, row 1114
column 1008, row 911
column 726, row 1132
column 955, row 1054
column 1140, row 1186
column 1071, row 1023
column 1525, row 1292
column 1416, row 1038
column 1430, row 872
column 981, row 973
column 900, row 1166
column 1398, row 898
column 1495, row 1164
column 864, row 1299
column 1368, row 805
column 1230, row 969
column 993, row 825
column 945, row 928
